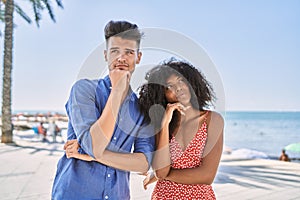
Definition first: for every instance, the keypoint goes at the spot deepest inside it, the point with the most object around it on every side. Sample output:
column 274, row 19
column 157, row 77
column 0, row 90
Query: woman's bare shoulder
column 216, row 117
column 216, row 120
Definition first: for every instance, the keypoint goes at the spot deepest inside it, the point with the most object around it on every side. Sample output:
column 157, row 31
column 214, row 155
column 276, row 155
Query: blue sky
column 254, row 44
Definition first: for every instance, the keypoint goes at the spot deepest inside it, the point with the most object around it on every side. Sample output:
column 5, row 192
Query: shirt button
column 108, row 175
column 115, row 138
column 106, row 197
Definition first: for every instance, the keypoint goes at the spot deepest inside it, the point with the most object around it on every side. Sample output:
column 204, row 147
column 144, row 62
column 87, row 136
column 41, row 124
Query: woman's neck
column 191, row 114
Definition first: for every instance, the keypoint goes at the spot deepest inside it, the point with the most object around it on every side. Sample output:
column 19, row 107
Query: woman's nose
column 178, row 87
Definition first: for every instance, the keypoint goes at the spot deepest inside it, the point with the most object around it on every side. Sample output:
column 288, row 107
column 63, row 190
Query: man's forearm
column 102, row 130
column 136, row 162
column 125, row 161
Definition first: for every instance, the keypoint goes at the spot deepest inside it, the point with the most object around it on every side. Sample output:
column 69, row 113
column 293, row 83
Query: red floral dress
column 189, row 158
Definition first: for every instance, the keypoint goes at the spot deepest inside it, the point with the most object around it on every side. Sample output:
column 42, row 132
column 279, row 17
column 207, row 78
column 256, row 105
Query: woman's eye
column 169, row 87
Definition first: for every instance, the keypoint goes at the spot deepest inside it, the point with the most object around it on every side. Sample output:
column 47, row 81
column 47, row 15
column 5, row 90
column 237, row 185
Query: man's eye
column 130, row 52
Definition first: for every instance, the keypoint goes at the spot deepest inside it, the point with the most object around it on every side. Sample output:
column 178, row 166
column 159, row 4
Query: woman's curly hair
column 152, row 100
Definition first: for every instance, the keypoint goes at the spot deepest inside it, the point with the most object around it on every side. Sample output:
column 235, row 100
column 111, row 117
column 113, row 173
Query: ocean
column 255, row 134
column 261, row 134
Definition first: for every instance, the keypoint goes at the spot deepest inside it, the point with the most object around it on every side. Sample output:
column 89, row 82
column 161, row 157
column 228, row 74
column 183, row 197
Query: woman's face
column 177, row 90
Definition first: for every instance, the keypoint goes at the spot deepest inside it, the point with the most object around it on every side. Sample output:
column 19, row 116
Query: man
column 43, row 131
column 284, row 156
column 105, row 122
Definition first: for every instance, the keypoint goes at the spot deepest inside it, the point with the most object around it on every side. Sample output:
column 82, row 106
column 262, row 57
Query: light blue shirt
column 82, row 180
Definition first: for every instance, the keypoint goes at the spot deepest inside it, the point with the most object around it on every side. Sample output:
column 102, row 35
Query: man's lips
column 122, row 67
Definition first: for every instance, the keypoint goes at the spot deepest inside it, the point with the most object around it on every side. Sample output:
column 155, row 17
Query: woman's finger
column 179, row 107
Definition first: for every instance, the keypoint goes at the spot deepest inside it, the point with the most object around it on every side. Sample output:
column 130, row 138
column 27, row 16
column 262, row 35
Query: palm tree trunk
column 7, row 73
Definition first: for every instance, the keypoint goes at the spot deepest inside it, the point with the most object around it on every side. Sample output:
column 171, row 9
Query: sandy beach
column 28, row 168
column 246, row 179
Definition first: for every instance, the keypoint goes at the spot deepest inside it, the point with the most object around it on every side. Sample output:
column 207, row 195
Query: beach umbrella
column 294, row 147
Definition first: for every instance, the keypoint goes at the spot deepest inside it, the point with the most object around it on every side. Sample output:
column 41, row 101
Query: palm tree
column 10, row 7
column 7, row 68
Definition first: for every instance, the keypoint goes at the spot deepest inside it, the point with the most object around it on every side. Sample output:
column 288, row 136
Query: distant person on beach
column 106, row 125
column 53, row 130
column 190, row 137
column 42, row 131
column 284, row 156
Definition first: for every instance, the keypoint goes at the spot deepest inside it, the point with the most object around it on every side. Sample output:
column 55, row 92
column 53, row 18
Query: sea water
column 256, row 134
column 261, row 134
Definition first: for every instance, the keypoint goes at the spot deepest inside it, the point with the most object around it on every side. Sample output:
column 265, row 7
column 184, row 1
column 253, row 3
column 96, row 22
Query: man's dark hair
column 123, row 29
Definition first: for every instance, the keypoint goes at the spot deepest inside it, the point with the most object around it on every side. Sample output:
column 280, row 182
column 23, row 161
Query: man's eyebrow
column 130, row 49
column 113, row 48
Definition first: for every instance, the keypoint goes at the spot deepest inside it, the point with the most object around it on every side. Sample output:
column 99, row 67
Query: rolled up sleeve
column 82, row 112
column 145, row 143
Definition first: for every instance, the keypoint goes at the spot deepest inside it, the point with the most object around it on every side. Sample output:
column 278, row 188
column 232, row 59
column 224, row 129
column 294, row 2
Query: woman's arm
column 162, row 158
column 150, row 178
column 161, row 161
column 205, row 173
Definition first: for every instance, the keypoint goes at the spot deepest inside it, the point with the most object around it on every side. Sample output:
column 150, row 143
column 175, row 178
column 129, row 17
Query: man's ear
column 139, row 57
column 105, row 55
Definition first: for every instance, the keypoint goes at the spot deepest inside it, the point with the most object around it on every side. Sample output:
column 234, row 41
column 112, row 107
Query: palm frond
column 49, row 8
column 2, row 17
column 19, row 10
column 37, row 7
column 59, row 3
column 2, row 11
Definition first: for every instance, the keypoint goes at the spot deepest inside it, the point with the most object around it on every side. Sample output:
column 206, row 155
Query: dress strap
column 206, row 114
column 207, row 121
column 204, row 122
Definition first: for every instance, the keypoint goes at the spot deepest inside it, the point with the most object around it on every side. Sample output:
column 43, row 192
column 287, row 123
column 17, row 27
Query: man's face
column 122, row 54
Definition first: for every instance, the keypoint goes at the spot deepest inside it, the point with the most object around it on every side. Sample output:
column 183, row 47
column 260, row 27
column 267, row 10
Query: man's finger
column 69, row 143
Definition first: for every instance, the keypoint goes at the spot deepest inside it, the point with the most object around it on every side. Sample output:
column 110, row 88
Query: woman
column 190, row 136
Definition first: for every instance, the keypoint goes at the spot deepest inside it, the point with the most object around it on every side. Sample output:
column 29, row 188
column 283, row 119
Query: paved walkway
column 27, row 171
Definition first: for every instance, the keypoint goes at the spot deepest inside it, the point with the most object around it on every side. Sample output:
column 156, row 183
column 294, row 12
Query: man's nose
column 121, row 57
